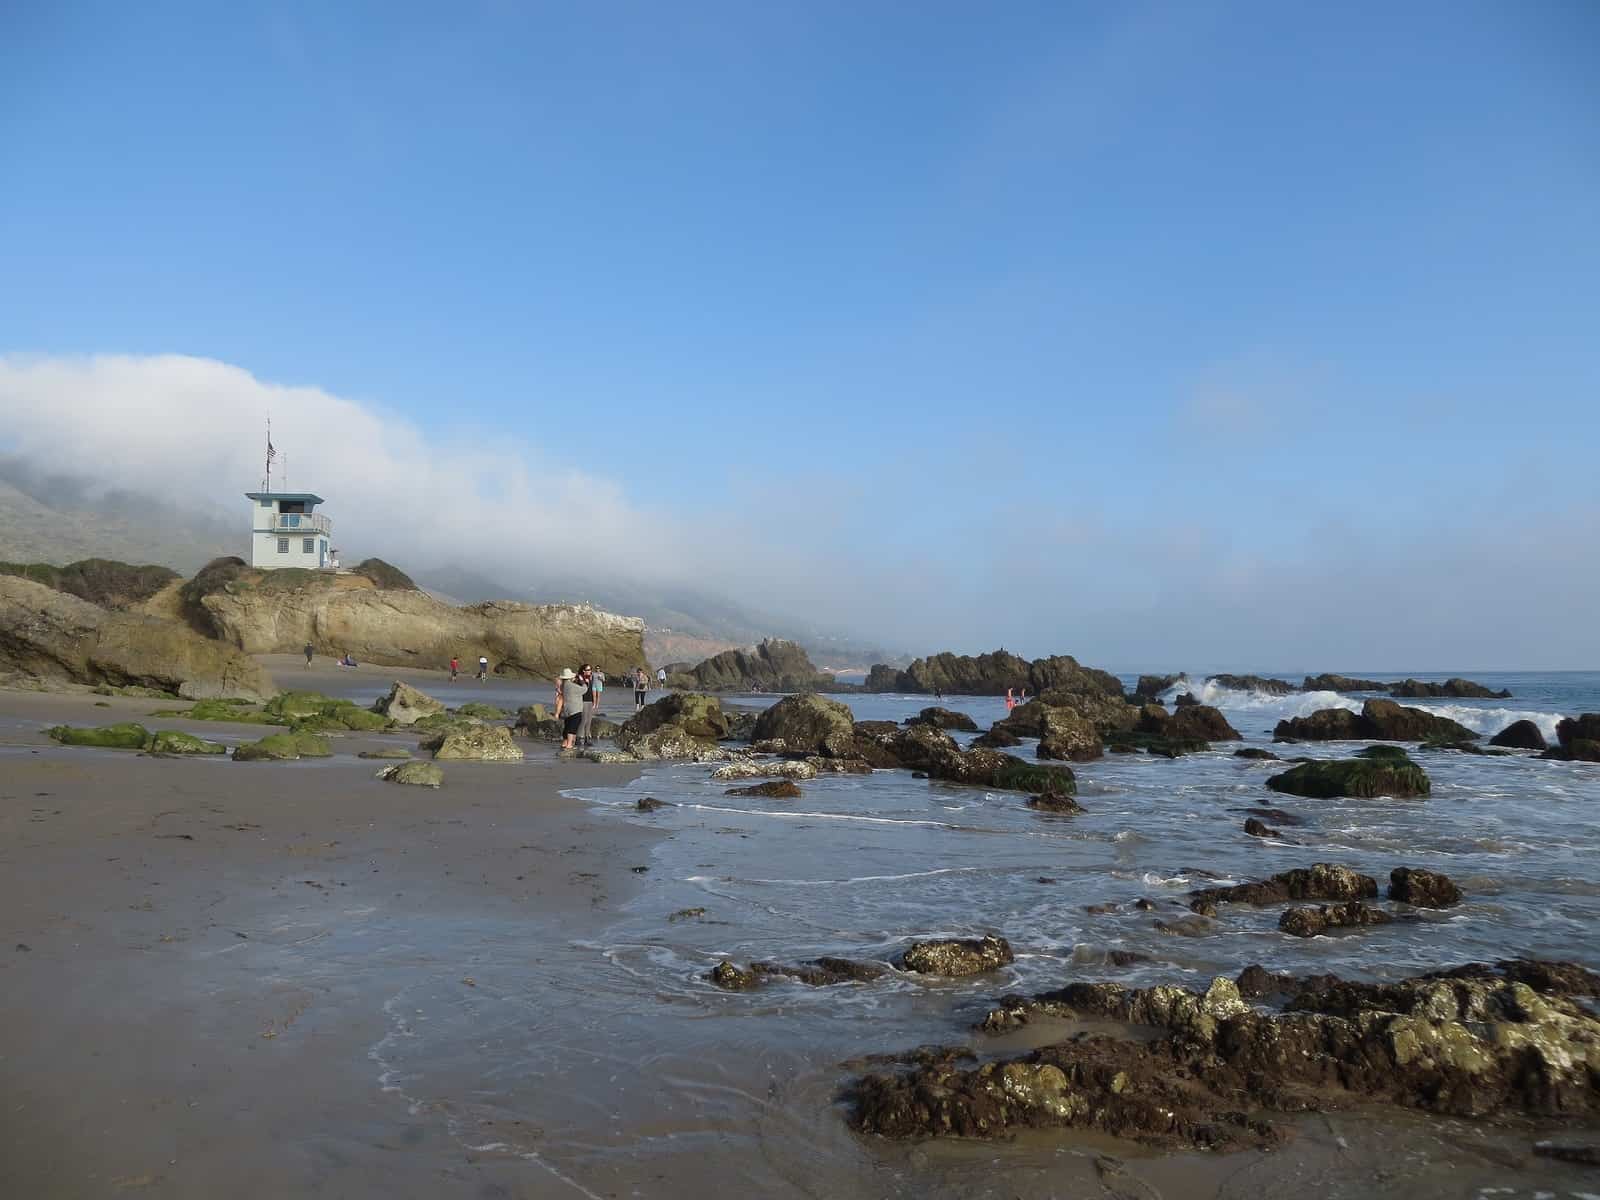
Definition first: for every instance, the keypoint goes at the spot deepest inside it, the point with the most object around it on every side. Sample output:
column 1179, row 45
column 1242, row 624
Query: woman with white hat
column 569, row 706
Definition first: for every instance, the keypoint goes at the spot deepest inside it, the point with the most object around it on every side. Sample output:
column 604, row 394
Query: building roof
column 306, row 496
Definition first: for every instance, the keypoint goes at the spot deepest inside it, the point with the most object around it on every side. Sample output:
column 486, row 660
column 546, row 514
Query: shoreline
column 160, row 1029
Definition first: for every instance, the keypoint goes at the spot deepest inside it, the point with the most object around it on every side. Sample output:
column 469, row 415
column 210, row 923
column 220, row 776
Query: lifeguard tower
column 286, row 531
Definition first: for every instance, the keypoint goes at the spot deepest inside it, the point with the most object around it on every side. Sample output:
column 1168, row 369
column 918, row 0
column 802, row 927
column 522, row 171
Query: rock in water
column 1256, row 752
column 1150, row 687
column 957, row 956
column 1520, row 735
column 1415, row 689
column 1258, row 828
column 1308, row 922
column 1578, row 739
column 1066, row 735
column 405, row 704
column 489, row 743
column 48, row 634
column 1378, row 720
column 944, row 718
column 1342, row 683
column 731, row 978
column 773, row 666
column 694, row 715
column 998, row 738
column 809, row 724
column 1364, row 777
column 774, row 789
column 1424, row 889
column 1200, row 721
column 1320, row 881
column 1054, row 802
column 789, row 768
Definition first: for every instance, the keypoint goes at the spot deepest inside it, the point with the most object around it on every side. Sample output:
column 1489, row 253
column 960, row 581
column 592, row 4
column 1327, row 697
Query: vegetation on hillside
column 102, row 581
column 386, row 576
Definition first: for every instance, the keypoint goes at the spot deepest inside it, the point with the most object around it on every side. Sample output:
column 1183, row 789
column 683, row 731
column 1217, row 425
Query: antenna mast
column 266, row 481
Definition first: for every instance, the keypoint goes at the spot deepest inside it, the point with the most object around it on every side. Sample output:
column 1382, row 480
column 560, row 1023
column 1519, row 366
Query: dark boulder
column 944, row 718
column 1379, row 720
column 1586, row 728
column 1423, row 889
column 1055, row 802
column 1256, row 752
column 1151, row 687
column 773, row 666
column 1308, row 922
column 1255, row 683
column 1201, row 721
column 1185, row 700
column 1520, row 735
column 1259, row 829
column 1068, row 736
column 1460, row 689
column 998, row 738
column 1362, row 777
column 651, row 804
column 1324, row 725
column 955, row 957
column 732, row 978
column 773, row 789
column 822, row 972
column 1342, row 683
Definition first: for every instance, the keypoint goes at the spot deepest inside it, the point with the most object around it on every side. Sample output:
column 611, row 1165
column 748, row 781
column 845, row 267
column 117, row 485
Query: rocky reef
column 773, row 666
column 1477, row 1041
column 1456, row 688
column 1378, row 720
column 1577, row 739
column 990, row 675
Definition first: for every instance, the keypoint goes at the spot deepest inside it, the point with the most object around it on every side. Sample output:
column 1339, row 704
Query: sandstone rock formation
column 278, row 612
column 773, row 666
column 48, row 634
column 405, row 704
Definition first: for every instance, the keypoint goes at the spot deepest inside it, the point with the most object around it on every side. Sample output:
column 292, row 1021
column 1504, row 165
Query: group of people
column 344, row 659
column 483, row 667
column 580, row 694
column 1013, row 700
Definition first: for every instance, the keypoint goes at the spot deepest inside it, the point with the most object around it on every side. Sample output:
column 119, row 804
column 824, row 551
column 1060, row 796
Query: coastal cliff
column 279, row 612
column 47, row 634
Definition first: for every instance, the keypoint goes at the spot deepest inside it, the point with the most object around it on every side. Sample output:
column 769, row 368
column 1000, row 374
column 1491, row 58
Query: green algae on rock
column 285, row 746
column 126, row 735
column 1361, row 777
column 173, row 741
column 418, row 774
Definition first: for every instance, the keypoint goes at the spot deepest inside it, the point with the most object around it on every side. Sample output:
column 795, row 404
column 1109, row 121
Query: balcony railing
column 301, row 523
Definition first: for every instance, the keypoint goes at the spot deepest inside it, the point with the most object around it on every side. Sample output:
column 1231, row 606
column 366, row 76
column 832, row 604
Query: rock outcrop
column 773, row 666
column 682, row 725
column 404, row 704
column 1457, row 688
column 416, row 774
column 486, row 743
column 956, row 957
column 1255, row 683
column 1378, row 720
column 1151, row 687
column 278, row 612
column 1422, row 888
column 808, row 724
column 1577, row 739
column 991, row 674
column 1313, row 920
column 48, row 634
column 1066, row 735
column 1342, row 683
column 1319, row 881
column 944, row 718
column 1477, row 1042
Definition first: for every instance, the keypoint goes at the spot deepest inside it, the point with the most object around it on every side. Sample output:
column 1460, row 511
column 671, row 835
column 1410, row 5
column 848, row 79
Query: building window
column 283, row 545
column 266, row 504
column 308, row 545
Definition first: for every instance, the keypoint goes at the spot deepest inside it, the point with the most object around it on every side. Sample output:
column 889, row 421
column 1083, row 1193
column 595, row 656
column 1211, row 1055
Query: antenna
column 266, row 480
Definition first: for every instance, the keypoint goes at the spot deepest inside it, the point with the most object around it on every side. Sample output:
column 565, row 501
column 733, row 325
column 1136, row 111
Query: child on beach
column 483, row 667
column 455, row 665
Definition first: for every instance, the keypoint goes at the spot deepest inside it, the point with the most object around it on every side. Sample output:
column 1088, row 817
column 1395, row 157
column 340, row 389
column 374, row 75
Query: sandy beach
column 155, row 1032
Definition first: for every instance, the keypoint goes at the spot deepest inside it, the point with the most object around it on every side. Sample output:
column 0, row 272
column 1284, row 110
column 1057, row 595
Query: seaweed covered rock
column 1320, row 881
column 1257, row 753
column 1104, row 710
column 944, row 718
column 126, row 735
column 417, row 774
column 1577, row 738
column 955, row 957
column 488, row 743
column 175, row 742
column 1520, row 735
column 1324, row 725
column 1474, row 1045
column 1361, row 777
column 1378, row 720
column 732, row 978
column 1158, row 744
column 822, row 972
column 772, row 789
column 1055, row 802
column 1256, row 827
column 289, row 745
column 750, row 768
column 1310, row 921
column 809, row 724
column 1422, row 888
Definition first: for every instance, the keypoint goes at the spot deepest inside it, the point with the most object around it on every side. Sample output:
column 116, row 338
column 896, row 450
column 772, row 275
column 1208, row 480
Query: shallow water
column 603, row 1059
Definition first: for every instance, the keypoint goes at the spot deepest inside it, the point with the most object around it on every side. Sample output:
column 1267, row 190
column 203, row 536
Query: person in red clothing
column 1011, row 701
column 455, row 665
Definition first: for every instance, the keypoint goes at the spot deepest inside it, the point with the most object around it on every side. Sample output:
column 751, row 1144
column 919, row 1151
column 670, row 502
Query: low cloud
column 1184, row 575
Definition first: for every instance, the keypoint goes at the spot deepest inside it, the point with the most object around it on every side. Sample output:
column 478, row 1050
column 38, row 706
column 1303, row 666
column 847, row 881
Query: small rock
column 1310, row 921
column 957, row 956
column 1259, row 829
column 1054, row 802
column 650, row 804
column 731, row 978
column 1424, row 889
column 775, row 789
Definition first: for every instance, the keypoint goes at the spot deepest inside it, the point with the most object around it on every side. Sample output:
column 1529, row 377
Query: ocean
column 623, row 1033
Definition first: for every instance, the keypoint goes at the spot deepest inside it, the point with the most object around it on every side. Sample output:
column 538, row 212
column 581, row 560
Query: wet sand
column 156, row 1037
column 209, row 973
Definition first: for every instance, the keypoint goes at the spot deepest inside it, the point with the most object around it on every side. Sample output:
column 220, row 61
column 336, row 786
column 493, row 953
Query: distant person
column 1022, row 698
column 641, row 685
column 661, row 676
column 586, row 726
column 569, row 707
column 310, row 650
column 938, row 693
column 455, row 667
column 483, row 667
column 599, row 687
column 1011, row 701
column 346, row 661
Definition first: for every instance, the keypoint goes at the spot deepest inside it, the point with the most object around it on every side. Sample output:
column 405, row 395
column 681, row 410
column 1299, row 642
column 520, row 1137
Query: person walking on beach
column 310, row 650
column 569, row 707
column 483, row 667
column 641, row 685
column 455, row 667
column 661, row 677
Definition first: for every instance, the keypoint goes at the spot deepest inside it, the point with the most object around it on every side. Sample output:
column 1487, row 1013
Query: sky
column 1168, row 335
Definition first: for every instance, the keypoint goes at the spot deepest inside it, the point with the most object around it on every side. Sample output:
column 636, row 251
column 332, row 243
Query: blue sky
column 1120, row 329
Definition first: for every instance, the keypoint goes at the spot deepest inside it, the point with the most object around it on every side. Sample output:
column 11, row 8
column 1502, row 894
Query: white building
column 286, row 532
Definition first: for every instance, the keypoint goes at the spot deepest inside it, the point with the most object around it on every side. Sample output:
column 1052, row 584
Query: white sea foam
column 1303, row 704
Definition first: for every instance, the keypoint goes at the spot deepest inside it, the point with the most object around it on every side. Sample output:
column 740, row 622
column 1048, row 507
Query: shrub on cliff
column 386, row 576
column 102, row 581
